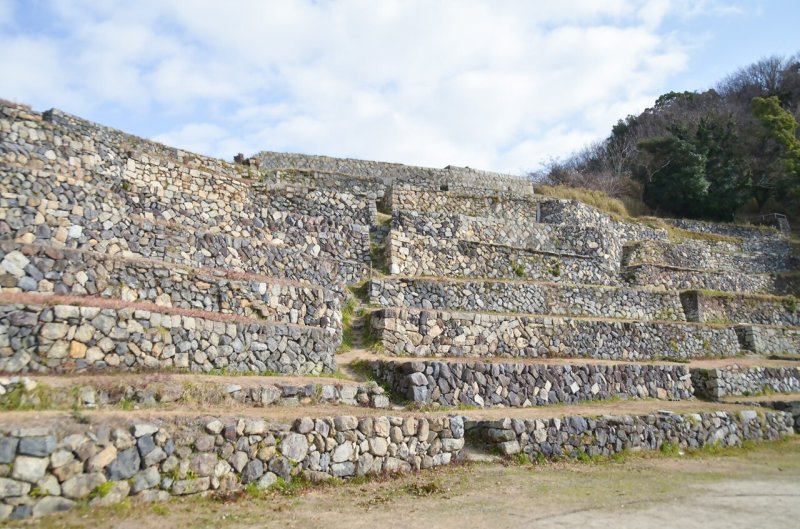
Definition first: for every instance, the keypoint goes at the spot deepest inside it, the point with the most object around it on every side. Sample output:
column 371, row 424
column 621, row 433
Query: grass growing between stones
column 549, row 494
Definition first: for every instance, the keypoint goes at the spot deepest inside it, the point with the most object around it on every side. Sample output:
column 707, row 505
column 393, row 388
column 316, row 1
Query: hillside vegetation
column 726, row 153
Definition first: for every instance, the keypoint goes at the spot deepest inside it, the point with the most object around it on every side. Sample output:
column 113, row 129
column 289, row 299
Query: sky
column 501, row 85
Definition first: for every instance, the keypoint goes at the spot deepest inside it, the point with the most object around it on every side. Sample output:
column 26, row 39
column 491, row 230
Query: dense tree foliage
column 709, row 154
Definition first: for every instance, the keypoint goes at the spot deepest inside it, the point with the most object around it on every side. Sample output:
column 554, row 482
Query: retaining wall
column 384, row 174
column 704, row 255
column 73, row 272
column 736, row 380
column 769, row 340
column 68, row 337
column 152, row 390
column 523, row 385
column 709, row 307
column 528, row 298
column 579, row 436
column 53, row 468
column 441, row 333
column 682, row 279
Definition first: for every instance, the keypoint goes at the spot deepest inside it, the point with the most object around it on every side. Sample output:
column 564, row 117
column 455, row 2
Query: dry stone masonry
column 523, row 385
column 182, row 288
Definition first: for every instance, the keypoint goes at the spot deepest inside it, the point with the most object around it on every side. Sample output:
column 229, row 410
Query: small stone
column 52, row 505
column 80, row 486
column 30, row 469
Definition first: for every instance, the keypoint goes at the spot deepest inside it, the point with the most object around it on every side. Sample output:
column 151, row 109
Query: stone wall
column 68, row 337
column 579, row 436
column 91, row 170
column 670, row 278
column 522, row 385
column 384, row 174
column 421, row 255
column 744, row 381
column 769, row 340
column 73, row 272
column 724, row 307
column 78, row 216
column 498, row 205
column 51, row 469
column 560, row 211
column 527, row 298
column 704, row 255
column 440, row 333
column 153, row 390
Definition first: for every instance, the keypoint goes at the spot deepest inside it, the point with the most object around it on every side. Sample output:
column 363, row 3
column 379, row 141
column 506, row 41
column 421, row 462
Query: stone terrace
column 173, row 324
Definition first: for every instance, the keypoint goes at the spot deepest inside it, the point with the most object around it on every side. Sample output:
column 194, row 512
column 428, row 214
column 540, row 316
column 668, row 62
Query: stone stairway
column 172, row 324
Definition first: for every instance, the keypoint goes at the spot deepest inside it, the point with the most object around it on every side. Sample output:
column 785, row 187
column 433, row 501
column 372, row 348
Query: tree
column 674, row 176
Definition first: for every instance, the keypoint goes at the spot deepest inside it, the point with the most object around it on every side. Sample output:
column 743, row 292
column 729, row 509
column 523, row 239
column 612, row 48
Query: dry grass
column 615, row 207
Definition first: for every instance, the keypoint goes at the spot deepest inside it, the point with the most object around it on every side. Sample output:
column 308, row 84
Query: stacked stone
column 49, row 470
column 443, row 333
column 523, row 385
column 740, row 308
column 578, row 436
column 69, row 337
column 404, row 197
column 709, row 255
column 381, row 175
column 769, row 340
column 72, row 272
column 527, row 298
column 735, row 380
column 92, row 394
column 670, row 278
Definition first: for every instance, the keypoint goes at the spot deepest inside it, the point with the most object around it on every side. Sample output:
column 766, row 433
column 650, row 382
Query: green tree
column 674, row 176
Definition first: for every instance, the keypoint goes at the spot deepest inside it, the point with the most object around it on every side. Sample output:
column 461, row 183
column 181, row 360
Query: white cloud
column 498, row 85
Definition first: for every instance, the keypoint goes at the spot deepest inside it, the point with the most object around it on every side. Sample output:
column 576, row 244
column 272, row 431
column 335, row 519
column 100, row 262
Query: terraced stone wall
column 604, row 436
column 67, row 338
column 51, row 469
column 703, row 255
column 402, row 197
column 742, row 381
column 158, row 388
column 384, row 174
column 723, row 307
column 522, row 385
column 73, row 272
column 769, row 340
column 527, row 298
column 439, row 333
column 672, row 278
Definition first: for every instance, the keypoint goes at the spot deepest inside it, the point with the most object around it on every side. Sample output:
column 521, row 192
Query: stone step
column 724, row 307
column 418, row 332
column 708, row 255
column 528, row 297
column 47, row 270
column 33, row 221
column 65, row 334
column 462, row 383
column 672, row 278
column 172, row 391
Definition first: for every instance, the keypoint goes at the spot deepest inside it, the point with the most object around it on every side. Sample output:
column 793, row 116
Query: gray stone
column 80, row 486
column 8, row 448
column 51, row 505
column 252, row 471
column 30, row 469
column 190, row 486
column 12, row 488
column 125, row 465
column 294, row 446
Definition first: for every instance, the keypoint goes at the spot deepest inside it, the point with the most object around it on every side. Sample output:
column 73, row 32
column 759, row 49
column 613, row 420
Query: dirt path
column 759, row 487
